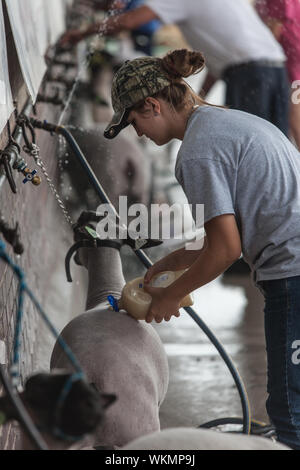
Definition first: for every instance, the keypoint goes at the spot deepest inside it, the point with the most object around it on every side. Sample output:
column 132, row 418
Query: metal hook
column 5, row 161
column 12, row 150
column 24, row 123
column 12, row 141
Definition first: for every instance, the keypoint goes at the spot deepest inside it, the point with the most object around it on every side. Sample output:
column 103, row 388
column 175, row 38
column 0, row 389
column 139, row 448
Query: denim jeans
column 260, row 90
column 282, row 330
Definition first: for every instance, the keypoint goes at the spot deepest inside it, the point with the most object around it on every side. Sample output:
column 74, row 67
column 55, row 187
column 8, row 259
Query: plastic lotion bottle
column 137, row 302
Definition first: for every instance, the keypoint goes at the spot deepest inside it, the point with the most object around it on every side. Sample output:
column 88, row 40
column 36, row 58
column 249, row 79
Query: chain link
column 35, row 153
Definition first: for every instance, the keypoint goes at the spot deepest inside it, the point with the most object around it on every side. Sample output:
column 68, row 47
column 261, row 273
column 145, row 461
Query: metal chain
column 35, row 153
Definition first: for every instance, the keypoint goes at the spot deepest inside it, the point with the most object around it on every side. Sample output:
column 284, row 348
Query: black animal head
column 81, row 411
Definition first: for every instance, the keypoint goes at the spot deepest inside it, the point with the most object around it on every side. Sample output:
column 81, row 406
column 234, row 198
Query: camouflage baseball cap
column 134, row 81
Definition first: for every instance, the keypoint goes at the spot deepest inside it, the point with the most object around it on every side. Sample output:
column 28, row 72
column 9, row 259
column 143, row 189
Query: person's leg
column 282, row 330
column 281, row 100
column 260, row 90
column 248, row 89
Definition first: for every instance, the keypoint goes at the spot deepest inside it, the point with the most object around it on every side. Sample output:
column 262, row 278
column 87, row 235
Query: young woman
column 247, row 175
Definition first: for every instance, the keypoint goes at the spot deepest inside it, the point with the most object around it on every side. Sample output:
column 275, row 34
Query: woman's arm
column 175, row 261
column 112, row 25
column 275, row 26
column 223, row 248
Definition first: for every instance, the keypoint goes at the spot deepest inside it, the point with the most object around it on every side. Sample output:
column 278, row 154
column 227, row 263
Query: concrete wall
column 46, row 236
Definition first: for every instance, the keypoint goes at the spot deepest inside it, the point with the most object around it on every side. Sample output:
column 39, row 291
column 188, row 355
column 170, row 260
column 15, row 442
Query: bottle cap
column 113, row 302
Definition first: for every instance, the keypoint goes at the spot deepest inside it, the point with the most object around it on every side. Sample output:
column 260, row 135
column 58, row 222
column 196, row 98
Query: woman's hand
column 175, row 261
column 158, row 267
column 163, row 305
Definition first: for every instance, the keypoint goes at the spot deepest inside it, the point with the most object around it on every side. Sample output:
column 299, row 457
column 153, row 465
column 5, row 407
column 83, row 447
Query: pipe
column 17, row 137
column 147, row 263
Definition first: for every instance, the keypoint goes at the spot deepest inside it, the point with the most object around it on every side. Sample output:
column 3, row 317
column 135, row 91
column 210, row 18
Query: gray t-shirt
column 236, row 163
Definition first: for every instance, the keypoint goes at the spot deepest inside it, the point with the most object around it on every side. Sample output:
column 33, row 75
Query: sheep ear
column 108, row 399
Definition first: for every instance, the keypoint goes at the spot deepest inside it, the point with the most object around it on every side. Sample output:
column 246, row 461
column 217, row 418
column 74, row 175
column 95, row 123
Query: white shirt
column 228, row 32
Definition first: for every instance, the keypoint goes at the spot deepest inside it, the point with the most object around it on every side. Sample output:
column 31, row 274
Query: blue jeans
column 260, row 90
column 282, row 330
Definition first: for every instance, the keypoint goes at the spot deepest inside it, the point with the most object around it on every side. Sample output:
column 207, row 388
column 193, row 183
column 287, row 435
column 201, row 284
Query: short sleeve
column 169, row 12
column 209, row 182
